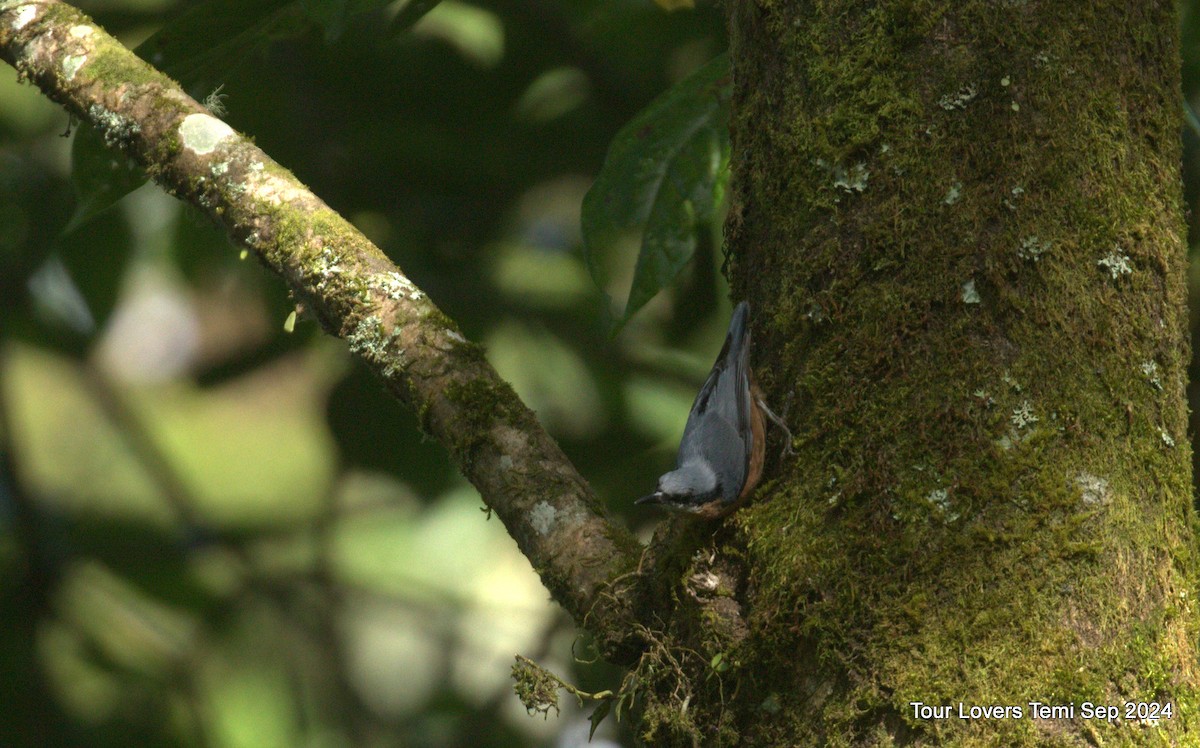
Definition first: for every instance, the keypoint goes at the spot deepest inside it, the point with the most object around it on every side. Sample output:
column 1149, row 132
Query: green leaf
column 95, row 262
column 329, row 14
column 665, row 175
column 718, row 662
column 201, row 45
column 598, row 716
column 334, row 15
column 624, row 701
column 100, row 175
column 413, row 11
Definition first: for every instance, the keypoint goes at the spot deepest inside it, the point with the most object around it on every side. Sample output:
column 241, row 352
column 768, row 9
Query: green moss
column 110, row 65
column 942, row 536
column 479, row 404
column 536, row 687
column 436, row 318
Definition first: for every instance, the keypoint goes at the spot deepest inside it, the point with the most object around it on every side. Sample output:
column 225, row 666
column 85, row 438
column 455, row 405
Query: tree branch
column 355, row 293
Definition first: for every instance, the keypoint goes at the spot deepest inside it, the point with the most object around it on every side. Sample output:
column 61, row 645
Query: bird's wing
column 718, row 426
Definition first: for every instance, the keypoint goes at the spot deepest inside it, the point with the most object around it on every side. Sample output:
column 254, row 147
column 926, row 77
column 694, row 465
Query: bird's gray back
column 718, row 426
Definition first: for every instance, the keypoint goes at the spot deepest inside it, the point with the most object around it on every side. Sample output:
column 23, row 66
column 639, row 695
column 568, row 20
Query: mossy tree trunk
column 962, row 222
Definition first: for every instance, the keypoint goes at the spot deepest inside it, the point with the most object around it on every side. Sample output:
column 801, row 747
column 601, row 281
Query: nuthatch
column 720, row 457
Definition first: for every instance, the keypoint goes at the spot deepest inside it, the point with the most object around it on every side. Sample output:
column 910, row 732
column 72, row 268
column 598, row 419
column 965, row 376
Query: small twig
column 537, row 688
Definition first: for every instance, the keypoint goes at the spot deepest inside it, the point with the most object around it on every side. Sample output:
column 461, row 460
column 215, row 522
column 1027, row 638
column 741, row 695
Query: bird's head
column 692, row 488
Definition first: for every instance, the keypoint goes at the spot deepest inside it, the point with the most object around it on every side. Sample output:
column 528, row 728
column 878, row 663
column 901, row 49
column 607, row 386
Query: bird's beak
column 654, row 498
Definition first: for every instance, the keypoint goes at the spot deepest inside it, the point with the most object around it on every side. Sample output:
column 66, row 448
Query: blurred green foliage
column 665, row 177
column 214, row 532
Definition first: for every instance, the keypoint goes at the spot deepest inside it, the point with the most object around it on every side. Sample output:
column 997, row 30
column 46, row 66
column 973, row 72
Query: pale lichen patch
column 853, row 179
column 542, row 517
column 940, row 499
column 81, row 31
column 202, row 133
column 396, row 287
column 1023, row 416
column 1022, row 419
column 272, row 188
column 954, row 194
column 1116, row 262
column 960, row 98
column 71, row 65
column 25, row 14
column 1093, row 489
column 969, row 294
column 115, row 128
column 327, row 266
column 1016, row 193
column 1032, row 248
column 511, row 440
column 367, row 338
column 1149, row 370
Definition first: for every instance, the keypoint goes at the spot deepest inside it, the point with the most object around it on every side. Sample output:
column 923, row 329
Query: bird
column 720, row 459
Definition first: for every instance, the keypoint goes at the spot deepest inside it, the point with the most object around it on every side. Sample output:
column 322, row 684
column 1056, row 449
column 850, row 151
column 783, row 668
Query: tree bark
column 963, row 225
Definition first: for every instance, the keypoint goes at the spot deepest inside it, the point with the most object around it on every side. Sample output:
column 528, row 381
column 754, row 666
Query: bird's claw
column 788, row 451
